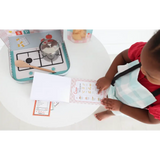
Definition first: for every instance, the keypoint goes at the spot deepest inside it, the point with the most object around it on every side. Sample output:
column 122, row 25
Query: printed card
column 42, row 108
column 83, row 91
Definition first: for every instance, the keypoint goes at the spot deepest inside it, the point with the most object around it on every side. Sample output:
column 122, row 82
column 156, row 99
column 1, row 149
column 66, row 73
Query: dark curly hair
column 153, row 46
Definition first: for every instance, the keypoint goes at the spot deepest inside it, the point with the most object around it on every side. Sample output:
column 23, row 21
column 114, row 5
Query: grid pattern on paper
column 72, row 97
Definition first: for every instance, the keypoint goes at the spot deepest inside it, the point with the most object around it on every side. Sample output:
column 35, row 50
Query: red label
column 18, row 32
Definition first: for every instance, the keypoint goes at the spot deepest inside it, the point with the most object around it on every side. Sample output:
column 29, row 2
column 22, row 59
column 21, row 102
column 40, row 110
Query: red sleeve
column 134, row 51
column 155, row 111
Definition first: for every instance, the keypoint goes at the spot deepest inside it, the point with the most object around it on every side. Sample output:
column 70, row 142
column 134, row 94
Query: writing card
column 49, row 87
column 86, row 92
column 42, row 108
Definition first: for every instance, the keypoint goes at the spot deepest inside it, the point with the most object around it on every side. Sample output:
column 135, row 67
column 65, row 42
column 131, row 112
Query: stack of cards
column 54, row 88
column 43, row 108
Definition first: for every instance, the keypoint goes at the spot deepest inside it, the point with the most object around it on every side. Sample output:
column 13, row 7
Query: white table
column 88, row 60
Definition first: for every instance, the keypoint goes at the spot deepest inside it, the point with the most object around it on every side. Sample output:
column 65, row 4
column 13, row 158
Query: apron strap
column 156, row 92
column 125, row 72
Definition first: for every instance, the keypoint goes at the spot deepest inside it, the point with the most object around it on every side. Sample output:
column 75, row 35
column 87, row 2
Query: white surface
column 9, row 122
column 88, row 61
column 49, row 87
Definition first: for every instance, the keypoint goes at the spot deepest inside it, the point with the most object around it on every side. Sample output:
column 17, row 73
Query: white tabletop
column 88, row 60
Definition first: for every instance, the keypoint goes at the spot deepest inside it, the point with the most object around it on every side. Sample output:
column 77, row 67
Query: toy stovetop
column 26, row 48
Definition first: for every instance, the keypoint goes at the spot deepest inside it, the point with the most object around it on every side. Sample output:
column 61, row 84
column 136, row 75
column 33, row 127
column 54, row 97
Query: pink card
column 85, row 91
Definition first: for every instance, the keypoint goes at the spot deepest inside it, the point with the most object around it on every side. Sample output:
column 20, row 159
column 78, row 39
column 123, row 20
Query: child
column 134, row 92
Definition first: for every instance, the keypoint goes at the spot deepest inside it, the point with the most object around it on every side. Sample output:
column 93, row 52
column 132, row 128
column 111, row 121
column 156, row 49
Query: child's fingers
column 106, row 102
column 103, row 101
column 100, row 90
column 99, row 87
column 108, row 108
column 109, row 100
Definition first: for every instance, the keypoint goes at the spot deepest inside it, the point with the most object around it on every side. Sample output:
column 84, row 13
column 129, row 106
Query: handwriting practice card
column 42, row 108
column 85, row 92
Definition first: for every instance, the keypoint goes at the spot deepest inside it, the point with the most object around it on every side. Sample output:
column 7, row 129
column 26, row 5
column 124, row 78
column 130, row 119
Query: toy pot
column 49, row 49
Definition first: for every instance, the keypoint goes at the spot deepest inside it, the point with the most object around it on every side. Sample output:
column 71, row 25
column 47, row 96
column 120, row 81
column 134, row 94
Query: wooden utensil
column 22, row 64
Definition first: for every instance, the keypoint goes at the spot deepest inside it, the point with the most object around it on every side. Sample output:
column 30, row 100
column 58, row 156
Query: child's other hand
column 111, row 104
column 102, row 84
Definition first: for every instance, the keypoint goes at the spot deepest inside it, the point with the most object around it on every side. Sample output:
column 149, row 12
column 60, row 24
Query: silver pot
column 49, row 49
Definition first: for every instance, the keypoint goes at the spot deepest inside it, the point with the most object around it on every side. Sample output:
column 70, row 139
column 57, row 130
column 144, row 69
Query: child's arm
column 141, row 115
column 121, row 59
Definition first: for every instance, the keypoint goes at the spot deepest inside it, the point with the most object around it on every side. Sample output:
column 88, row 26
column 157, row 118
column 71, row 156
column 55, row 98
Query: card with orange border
column 42, row 108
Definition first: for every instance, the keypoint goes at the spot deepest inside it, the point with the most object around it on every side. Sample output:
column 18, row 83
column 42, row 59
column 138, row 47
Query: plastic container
column 79, row 36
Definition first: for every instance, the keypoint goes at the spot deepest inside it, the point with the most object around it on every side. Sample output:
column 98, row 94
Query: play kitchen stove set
column 31, row 48
column 44, row 49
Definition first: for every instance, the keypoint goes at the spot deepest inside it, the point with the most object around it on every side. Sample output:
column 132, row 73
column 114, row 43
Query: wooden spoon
column 22, row 64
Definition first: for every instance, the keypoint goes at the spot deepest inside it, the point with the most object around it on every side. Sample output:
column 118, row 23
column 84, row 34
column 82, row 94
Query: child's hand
column 102, row 84
column 112, row 104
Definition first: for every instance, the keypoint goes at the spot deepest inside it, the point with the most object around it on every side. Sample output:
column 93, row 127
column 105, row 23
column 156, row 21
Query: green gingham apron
column 126, row 88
